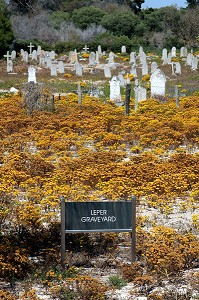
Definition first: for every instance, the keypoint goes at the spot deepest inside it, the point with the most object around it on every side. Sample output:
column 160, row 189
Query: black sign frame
column 94, row 216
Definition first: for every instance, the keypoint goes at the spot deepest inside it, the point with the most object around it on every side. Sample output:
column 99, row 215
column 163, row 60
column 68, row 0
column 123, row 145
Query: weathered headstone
column 13, row 54
column 133, row 70
column 78, row 69
column 123, row 49
column 107, row 71
column 158, row 83
column 154, row 66
column 60, row 66
column 194, row 63
column 9, row 66
column 53, row 70
column 173, row 52
column 133, row 57
column 38, row 50
column 145, row 70
column 111, row 58
column 189, row 59
column 34, row 55
column 183, row 52
column 73, row 57
column 164, row 54
column 32, row 74
column 92, row 61
column 115, row 94
column 142, row 93
column 176, row 68
column 121, row 79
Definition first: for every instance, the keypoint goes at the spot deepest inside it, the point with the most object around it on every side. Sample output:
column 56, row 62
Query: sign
column 98, row 216
column 114, row 216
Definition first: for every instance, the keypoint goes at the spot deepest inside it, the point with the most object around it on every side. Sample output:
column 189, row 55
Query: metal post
column 63, row 231
column 177, row 96
column 127, row 103
column 79, row 93
column 133, row 233
column 136, row 94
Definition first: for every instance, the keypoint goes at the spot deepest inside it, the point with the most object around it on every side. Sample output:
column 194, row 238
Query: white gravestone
column 154, row 66
column 38, row 50
column 164, row 54
column 34, row 55
column 133, row 57
column 53, row 70
column 145, row 70
column 78, row 69
column 123, row 49
column 133, row 70
column 189, row 59
column 115, row 94
column 61, row 67
column 183, row 52
column 158, row 83
column 173, row 52
column 30, row 46
column 32, row 74
column 194, row 63
column 141, row 93
column 13, row 55
column 121, row 79
column 107, row 71
column 92, row 62
column 99, row 49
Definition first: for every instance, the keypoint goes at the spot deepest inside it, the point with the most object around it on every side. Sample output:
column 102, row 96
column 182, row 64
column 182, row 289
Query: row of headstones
column 158, row 87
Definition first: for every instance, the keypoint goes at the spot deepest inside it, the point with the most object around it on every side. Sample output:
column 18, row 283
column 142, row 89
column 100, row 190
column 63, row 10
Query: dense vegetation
column 55, row 22
column 88, row 152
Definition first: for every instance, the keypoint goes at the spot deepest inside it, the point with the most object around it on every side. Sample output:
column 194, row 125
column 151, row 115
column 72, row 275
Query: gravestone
column 48, row 61
column 107, row 71
column 158, row 83
column 164, row 54
column 53, row 70
column 143, row 59
column 133, row 70
column 183, row 52
column 13, row 54
column 42, row 60
column 34, row 55
column 145, row 70
column 52, row 55
column 9, row 66
column 133, row 57
column 189, row 59
column 141, row 93
column 32, row 74
column 97, row 56
column 123, row 49
column 115, row 94
column 85, row 49
column 194, row 63
column 38, row 50
column 176, row 68
column 25, row 56
column 99, row 49
column 111, row 58
column 92, row 62
column 61, row 67
column 121, row 79
column 73, row 57
column 154, row 66
column 78, row 69
column 173, row 52
column 31, row 46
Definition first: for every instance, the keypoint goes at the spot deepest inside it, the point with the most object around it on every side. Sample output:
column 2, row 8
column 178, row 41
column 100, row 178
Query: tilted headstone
column 154, row 66
column 32, row 74
column 115, row 94
column 121, row 79
column 158, row 83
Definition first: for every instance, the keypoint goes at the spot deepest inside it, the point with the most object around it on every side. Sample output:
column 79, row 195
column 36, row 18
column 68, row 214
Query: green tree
column 58, row 17
column 135, row 5
column 192, row 3
column 86, row 16
column 121, row 23
column 6, row 32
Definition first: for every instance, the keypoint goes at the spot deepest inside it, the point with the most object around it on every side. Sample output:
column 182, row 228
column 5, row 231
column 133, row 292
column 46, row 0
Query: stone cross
column 31, row 46
column 8, row 56
column 85, row 48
